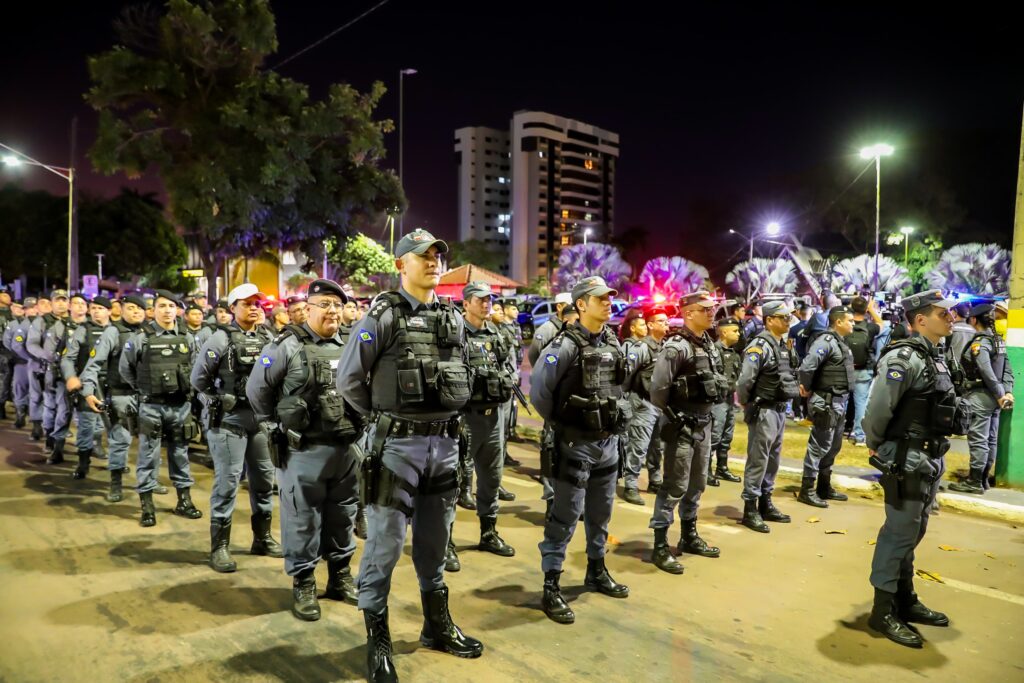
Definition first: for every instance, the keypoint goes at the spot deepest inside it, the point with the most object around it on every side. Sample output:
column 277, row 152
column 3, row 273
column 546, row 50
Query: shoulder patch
column 211, row 354
column 895, row 374
column 266, row 361
column 18, row 338
column 551, row 359
column 976, row 348
column 92, row 353
column 821, row 351
column 632, row 355
column 127, row 345
column 365, row 336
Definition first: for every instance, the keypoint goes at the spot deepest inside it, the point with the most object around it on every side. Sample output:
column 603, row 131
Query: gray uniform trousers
column 20, row 386
column 593, row 496
column 57, row 399
column 417, row 460
column 983, row 433
column 36, row 411
column 823, row 443
column 6, row 377
column 319, row 498
column 723, row 424
column 637, row 440
column 486, row 451
column 656, row 450
column 764, row 448
column 118, row 435
column 231, row 445
column 159, row 421
column 687, row 451
column 906, row 524
column 90, row 429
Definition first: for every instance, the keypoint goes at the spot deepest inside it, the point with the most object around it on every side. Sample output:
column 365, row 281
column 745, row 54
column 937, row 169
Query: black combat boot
column 808, row 496
column 769, row 512
column 37, row 430
column 662, row 557
column 465, row 500
column 451, row 558
column 722, row 469
column 632, row 495
column 555, row 606
column 114, row 495
column 220, row 552
column 600, row 580
column 440, row 633
column 970, row 485
column 83, row 465
column 185, row 508
column 340, row 585
column 56, row 456
column 505, row 495
column 988, row 480
column 884, row 621
column 262, row 542
column 379, row 666
column 825, row 490
column 509, row 460
column 490, row 541
column 19, row 418
column 305, row 606
column 912, row 611
column 148, row 517
column 712, row 479
column 48, row 443
column 752, row 518
column 3, row 410
column 361, row 522
column 691, row 542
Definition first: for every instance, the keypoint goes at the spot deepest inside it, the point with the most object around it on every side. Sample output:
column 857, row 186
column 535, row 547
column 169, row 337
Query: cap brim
column 442, row 247
column 601, row 291
column 785, row 311
column 944, row 303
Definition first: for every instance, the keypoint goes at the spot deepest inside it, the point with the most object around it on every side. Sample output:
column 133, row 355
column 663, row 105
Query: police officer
column 349, row 316
column 515, row 332
column 44, row 334
column 766, row 384
column 963, row 330
column 723, row 420
column 104, row 389
column 56, row 341
column 406, row 370
column 220, row 375
column 641, row 350
column 193, row 320
column 688, row 380
column 989, row 387
column 489, row 358
column 80, row 344
column 16, row 340
column 156, row 361
column 912, row 410
column 577, row 386
column 18, row 380
column 115, row 310
column 297, row 313
column 6, row 356
column 826, row 377
column 547, row 330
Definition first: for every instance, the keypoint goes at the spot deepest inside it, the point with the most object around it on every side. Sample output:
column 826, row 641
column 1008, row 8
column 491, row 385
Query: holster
column 278, row 450
column 547, row 452
column 368, row 474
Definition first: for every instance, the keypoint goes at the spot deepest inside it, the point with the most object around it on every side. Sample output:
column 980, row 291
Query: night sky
column 711, row 104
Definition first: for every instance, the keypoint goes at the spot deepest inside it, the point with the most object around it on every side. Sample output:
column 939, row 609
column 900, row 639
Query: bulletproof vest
column 164, row 363
column 928, row 411
column 93, row 332
column 645, row 372
column 835, row 374
column 421, row 369
column 345, row 331
column 487, row 349
column 114, row 379
column 731, row 364
column 587, row 397
column 777, row 380
column 50, row 321
column 700, row 379
column 243, row 352
column 327, row 414
column 969, row 363
column 515, row 333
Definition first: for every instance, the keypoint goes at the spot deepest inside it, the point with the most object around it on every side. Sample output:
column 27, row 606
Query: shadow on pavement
column 101, row 558
column 853, row 642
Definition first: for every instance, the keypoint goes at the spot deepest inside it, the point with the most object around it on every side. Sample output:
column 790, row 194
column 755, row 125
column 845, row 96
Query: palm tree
column 763, row 276
column 852, row 274
column 585, row 260
column 671, row 276
column 973, row 268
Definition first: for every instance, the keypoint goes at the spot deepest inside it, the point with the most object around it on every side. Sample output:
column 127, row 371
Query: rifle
column 521, row 397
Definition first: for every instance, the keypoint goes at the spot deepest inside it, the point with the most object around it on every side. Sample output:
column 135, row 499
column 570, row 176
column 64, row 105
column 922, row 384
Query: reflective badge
column 183, row 348
column 550, row 359
column 266, row 361
column 211, row 354
column 365, row 336
column 895, row 375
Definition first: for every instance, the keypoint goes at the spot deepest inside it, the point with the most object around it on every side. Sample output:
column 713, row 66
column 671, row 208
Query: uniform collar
column 592, row 336
column 251, row 333
column 416, row 303
column 159, row 330
column 317, row 338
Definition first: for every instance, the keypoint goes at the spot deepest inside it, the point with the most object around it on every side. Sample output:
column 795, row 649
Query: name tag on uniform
column 334, row 364
column 418, row 322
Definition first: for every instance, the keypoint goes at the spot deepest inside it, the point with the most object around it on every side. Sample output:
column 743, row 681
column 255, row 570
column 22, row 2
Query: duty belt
column 934, row 447
column 482, row 410
column 575, row 434
column 403, row 427
column 772, row 405
column 176, row 398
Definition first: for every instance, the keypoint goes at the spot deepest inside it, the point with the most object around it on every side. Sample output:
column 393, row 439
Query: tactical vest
column 114, row 379
column 164, row 364
column 515, row 334
column 926, row 412
column 588, row 396
column 836, row 376
column 243, row 352
column 972, row 375
column 732, row 362
column 777, row 381
column 93, row 332
column 645, row 372
column 420, row 370
column 700, row 380
column 487, row 350
column 344, row 332
column 327, row 416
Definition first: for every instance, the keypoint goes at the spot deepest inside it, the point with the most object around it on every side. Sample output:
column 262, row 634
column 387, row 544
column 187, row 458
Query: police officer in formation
column 723, row 413
column 47, row 397
column 688, row 380
column 912, row 410
column 293, row 391
column 826, row 377
column 104, row 389
column 297, row 312
column 156, row 361
column 349, row 317
column 6, row 356
column 514, row 332
column 642, row 350
column 16, row 340
column 577, row 386
column 766, row 384
column 406, row 371
column 79, row 347
column 220, row 375
column 989, row 390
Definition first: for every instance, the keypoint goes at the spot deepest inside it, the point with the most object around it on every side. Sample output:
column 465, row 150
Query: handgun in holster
column 369, row 469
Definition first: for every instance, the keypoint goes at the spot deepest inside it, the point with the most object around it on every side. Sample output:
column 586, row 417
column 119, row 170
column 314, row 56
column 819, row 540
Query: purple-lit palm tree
column 671, row 276
column 584, row 260
column 763, row 276
column 851, row 274
column 973, row 268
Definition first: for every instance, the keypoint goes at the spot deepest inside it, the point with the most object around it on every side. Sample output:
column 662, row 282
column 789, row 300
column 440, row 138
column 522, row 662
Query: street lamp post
column 401, row 135
column 907, row 232
column 99, row 275
column 772, row 230
column 586, row 234
column 876, row 152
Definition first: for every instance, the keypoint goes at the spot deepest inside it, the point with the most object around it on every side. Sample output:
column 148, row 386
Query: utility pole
column 73, row 279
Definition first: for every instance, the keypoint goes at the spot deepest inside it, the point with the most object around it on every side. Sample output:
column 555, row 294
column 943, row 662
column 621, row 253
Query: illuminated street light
column 772, row 230
column 586, row 234
column 876, row 152
column 11, row 160
column 907, row 232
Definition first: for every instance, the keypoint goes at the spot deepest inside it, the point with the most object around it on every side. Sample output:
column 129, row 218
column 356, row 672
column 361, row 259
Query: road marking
column 983, row 590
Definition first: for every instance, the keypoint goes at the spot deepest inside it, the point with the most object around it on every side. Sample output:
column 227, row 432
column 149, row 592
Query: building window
column 565, row 213
column 566, row 240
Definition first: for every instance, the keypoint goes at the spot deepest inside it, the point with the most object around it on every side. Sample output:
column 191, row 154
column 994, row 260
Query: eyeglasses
column 328, row 305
